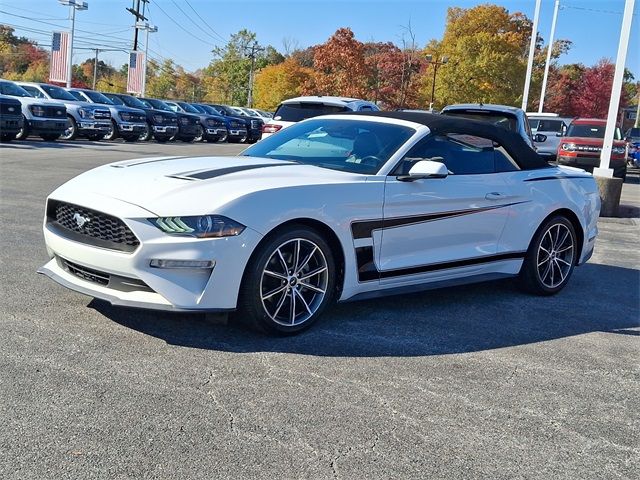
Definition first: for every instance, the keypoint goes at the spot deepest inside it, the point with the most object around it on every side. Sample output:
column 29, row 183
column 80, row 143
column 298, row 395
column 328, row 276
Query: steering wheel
column 370, row 160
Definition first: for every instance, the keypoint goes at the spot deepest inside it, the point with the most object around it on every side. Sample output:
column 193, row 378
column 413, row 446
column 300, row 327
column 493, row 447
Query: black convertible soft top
column 514, row 144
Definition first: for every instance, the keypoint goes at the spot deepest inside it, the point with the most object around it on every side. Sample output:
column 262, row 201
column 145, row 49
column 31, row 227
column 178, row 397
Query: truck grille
column 54, row 112
column 10, row 109
column 101, row 114
column 90, row 226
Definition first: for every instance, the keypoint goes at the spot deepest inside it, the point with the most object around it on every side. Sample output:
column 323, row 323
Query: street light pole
column 148, row 29
column 532, row 51
column 443, row 61
column 549, row 49
column 73, row 6
column 95, row 69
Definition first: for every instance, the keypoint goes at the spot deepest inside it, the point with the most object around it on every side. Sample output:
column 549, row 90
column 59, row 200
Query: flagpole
column 70, row 44
column 532, row 51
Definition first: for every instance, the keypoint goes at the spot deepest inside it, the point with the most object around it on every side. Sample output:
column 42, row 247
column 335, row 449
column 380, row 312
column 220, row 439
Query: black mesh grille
column 101, row 114
column 89, row 226
column 115, row 282
column 86, row 273
column 9, row 108
column 55, row 112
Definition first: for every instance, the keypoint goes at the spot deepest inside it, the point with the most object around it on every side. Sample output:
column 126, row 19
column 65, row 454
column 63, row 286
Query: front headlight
column 37, row 110
column 204, row 226
column 569, row 147
column 85, row 113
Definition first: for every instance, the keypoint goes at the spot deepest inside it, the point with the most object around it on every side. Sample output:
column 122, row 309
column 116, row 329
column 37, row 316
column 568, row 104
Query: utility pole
column 73, row 6
column 532, row 51
column 605, row 154
column 549, row 48
column 436, row 64
column 139, row 18
column 148, row 29
column 95, row 69
column 253, row 50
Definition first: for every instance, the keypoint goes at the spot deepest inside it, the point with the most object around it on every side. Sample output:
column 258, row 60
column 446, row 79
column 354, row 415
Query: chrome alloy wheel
column 294, row 282
column 555, row 255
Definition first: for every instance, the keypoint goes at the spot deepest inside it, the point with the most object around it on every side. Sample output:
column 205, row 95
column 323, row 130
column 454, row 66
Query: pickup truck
column 253, row 126
column 83, row 118
column 582, row 144
column 187, row 123
column 126, row 122
column 160, row 125
column 11, row 121
column 40, row 117
column 211, row 128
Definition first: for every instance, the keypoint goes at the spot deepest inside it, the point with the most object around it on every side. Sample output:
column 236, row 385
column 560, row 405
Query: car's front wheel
column 289, row 281
column 551, row 257
column 71, row 132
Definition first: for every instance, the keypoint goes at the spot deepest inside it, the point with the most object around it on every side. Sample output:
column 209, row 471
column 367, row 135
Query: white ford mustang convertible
column 339, row 207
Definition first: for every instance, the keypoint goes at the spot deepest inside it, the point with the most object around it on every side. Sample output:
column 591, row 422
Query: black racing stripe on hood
column 208, row 174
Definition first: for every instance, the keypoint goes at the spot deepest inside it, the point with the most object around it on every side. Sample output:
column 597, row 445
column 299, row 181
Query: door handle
column 495, row 196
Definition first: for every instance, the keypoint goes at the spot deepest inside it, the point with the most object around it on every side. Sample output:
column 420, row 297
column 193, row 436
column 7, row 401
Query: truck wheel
column 200, row 135
column 71, row 132
column 146, row 134
column 24, row 131
column 223, row 138
column 113, row 133
column 7, row 137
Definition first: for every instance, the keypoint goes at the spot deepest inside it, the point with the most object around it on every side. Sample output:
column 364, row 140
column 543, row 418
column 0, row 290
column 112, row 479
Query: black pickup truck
column 253, row 125
column 160, row 124
column 11, row 121
column 187, row 123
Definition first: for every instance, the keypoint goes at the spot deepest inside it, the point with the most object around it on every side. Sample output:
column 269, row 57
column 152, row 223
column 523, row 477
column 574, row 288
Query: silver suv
column 83, row 118
column 553, row 127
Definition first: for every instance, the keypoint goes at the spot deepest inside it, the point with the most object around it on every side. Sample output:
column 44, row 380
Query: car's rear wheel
column 24, row 131
column 289, row 282
column 551, row 257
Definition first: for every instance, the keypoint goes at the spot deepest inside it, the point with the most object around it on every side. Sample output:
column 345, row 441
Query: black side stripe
column 364, row 229
column 367, row 270
column 208, row 174
column 555, row 177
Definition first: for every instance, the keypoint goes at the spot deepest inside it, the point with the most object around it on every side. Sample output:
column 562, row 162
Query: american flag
column 136, row 72
column 59, row 45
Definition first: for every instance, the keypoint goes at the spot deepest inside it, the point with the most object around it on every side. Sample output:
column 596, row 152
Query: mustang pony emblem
column 80, row 220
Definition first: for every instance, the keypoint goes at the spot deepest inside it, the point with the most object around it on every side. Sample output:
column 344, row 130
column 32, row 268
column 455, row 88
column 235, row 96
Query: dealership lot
column 473, row 382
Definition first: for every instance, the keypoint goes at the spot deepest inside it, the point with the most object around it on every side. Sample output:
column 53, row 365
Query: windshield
column 209, row 110
column 187, row 107
column 354, row 146
column 78, row 95
column 503, row 120
column 633, row 132
column 590, row 131
column 8, row 88
column 223, row 109
column 130, row 101
column 173, row 106
column 97, row 97
column 58, row 93
column 158, row 104
column 295, row 112
column 116, row 100
column 200, row 108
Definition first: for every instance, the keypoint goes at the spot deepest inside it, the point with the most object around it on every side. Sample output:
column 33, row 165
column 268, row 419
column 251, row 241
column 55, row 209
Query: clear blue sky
column 592, row 25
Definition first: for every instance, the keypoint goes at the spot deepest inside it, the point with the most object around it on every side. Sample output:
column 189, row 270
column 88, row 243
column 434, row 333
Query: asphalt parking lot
column 472, row 382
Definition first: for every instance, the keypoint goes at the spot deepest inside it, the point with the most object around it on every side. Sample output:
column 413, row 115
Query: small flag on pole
column 136, row 72
column 59, row 45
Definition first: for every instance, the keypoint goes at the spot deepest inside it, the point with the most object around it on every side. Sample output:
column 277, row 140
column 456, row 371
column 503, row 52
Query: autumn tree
column 340, row 67
column 21, row 59
column 275, row 83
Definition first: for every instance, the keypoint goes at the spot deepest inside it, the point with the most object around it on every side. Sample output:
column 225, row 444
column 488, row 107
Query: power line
column 205, row 23
column 181, row 27
column 195, row 23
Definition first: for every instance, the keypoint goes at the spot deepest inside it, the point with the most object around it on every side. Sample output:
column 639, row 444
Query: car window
column 187, row 107
column 97, row 97
column 116, row 100
column 591, row 131
column 462, row 154
column 172, row 106
column 349, row 145
column 554, row 126
column 58, row 93
column 533, row 124
column 77, row 95
column 295, row 112
column 34, row 91
column 8, row 88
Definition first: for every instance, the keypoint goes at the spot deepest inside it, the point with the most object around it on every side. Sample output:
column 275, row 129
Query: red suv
column 581, row 146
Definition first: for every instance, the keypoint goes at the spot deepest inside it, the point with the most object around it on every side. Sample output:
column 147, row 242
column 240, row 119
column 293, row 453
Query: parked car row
column 52, row 112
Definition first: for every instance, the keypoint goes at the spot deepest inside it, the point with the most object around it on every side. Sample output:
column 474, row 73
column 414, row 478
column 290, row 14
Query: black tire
column 223, row 138
column 71, row 133
column 308, row 305
column 24, row 131
column 147, row 134
column 50, row 137
column 540, row 271
column 200, row 135
column 113, row 133
column 7, row 137
column 162, row 139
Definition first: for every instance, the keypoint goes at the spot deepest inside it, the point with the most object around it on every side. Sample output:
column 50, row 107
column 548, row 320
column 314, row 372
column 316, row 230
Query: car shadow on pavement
column 599, row 298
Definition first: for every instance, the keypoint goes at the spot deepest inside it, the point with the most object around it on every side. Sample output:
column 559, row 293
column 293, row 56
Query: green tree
column 275, row 83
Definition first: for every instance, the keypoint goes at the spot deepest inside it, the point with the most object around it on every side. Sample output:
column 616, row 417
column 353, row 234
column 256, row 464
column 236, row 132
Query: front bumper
column 237, row 133
column 188, row 130
column 38, row 125
column 10, row 124
column 168, row 129
column 92, row 126
column 216, row 132
column 588, row 163
column 127, row 127
column 178, row 289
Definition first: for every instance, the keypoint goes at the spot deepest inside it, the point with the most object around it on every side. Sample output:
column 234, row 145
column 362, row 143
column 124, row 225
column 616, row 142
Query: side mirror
column 539, row 138
column 425, row 169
